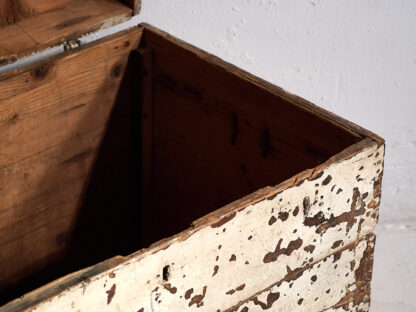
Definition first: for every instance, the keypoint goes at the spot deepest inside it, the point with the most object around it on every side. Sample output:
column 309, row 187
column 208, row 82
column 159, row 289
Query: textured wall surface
column 356, row 58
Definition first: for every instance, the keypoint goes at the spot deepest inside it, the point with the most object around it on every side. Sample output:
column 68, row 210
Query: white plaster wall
column 356, row 58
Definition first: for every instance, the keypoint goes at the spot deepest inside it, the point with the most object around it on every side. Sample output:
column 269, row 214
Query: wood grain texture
column 293, row 99
column 206, row 119
column 10, row 12
column 13, row 11
column 78, row 78
column 146, row 77
column 30, row 26
column 51, row 146
column 40, row 206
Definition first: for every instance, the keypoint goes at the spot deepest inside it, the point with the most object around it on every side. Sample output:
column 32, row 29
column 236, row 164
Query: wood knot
column 117, row 70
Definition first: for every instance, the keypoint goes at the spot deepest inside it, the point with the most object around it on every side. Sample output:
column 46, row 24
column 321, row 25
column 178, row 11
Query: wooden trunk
column 207, row 188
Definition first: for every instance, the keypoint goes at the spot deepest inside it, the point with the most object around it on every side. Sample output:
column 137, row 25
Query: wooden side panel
column 313, row 227
column 65, row 131
column 219, row 137
column 314, row 287
column 31, row 26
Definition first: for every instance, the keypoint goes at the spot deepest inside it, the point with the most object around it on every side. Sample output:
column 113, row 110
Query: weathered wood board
column 54, row 118
column 178, row 134
column 214, row 119
column 28, row 26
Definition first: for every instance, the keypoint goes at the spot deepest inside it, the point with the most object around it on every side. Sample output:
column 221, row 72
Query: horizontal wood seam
column 288, row 277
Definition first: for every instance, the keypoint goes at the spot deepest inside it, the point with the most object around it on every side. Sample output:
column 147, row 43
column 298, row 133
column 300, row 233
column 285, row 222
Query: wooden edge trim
column 269, row 87
column 54, row 288
column 136, row 5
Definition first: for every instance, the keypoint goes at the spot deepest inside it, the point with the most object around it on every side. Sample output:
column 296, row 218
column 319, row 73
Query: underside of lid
column 28, row 26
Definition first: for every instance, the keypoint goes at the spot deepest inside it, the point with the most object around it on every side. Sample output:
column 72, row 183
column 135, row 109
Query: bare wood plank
column 37, row 7
column 201, row 78
column 40, row 205
column 13, row 40
column 12, row 11
column 29, row 77
column 65, row 21
column 146, row 76
column 267, row 86
column 192, row 149
column 9, row 13
column 215, row 119
column 29, row 8
column 54, row 155
column 84, row 92
column 79, row 103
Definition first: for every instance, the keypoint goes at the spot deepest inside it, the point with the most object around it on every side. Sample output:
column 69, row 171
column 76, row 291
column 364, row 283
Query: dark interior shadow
column 109, row 211
column 109, row 220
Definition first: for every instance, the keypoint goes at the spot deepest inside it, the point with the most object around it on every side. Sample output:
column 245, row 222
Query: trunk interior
column 118, row 144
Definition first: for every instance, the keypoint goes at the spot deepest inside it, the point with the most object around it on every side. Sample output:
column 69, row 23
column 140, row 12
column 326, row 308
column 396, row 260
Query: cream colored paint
column 333, row 279
column 192, row 261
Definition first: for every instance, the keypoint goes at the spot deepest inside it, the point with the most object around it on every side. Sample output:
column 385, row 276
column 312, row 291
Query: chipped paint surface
column 219, row 266
column 316, row 287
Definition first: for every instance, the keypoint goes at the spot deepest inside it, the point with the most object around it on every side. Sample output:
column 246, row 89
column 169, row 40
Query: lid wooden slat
column 32, row 25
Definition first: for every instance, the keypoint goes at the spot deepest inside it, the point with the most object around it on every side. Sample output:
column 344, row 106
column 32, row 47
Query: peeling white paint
column 318, row 288
column 256, row 248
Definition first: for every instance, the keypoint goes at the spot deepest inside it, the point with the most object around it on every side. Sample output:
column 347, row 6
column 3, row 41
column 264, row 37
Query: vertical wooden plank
column 134, row 4
column 146, row 111
column 10, row 12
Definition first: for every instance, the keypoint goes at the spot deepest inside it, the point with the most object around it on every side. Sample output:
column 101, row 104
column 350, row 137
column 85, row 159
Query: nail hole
column 166, row 273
